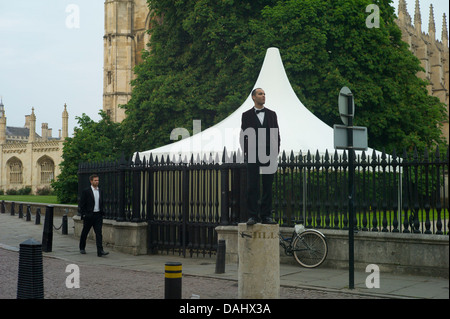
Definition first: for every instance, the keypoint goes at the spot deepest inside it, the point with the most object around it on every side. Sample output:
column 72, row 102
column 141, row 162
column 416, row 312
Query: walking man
column 260, row 142
column 91, row 209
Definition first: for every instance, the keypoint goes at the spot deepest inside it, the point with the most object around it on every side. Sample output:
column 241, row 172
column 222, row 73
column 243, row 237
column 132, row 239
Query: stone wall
column 417, row 254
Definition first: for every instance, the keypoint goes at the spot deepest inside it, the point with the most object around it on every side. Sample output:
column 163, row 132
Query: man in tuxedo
column 91, row 209
column 260, row 142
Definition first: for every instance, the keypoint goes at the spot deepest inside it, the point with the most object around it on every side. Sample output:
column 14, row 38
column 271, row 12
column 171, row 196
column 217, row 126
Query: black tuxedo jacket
column 87, row 201
column 251, row 120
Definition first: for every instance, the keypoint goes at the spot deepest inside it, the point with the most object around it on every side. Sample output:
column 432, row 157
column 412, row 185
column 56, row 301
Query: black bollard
column 64, row 225
column 38, row 216
column 20, row 210
column 3, row 207
column 47, row 235
column 28, row 213
column 30, row 283
column 12, row 209
column 220, row 259
column 173, row 274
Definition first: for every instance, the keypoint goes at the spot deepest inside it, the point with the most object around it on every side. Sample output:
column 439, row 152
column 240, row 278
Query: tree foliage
column 326, row 45
column 194, row 69
column 204, row 58
column 91, row 142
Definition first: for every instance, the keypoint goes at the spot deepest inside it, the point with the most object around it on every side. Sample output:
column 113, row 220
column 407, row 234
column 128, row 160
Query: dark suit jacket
column 251, row 120
column 87, row 201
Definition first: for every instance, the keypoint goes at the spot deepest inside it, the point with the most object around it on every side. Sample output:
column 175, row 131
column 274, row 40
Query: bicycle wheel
column 310, row 249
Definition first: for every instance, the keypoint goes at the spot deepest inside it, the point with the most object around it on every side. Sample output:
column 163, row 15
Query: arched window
column 47, row 170
column 15, row 171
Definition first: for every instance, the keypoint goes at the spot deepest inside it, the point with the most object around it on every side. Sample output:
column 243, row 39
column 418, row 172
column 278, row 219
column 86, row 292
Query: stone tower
column 433, row 54
column 2, row 123
column 126, row 22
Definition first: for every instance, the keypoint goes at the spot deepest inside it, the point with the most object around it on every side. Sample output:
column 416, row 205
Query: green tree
column 92, row 141
column 205, row 57
column 327, row 44
column 193, row 70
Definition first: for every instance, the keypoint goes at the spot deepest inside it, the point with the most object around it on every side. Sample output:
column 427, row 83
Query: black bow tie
column 259, row 111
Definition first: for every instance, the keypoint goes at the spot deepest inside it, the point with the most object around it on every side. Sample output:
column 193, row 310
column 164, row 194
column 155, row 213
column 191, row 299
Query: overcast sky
column 51, row 53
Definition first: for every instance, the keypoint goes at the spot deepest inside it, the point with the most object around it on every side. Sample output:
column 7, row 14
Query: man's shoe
column 269, row 221
column 102, row 253
column 82, row 251
column 251, row 221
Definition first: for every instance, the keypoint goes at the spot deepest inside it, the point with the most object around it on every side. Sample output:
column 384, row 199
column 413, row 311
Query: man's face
column 94, row 182
column 260, row 97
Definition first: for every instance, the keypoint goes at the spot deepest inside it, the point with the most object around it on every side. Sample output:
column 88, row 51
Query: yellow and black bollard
column 173, row 273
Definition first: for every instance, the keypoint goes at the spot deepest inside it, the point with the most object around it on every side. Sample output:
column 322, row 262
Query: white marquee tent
column 300, row 129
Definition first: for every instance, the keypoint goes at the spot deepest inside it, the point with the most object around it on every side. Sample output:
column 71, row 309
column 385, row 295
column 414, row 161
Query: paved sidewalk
column 121, row 275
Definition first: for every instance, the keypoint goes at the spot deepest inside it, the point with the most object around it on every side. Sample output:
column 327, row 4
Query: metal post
column 47, row 235
column 20, row 210
column 28, row 213
column 173, row 274
column 38, row 216
column 122, row 167
column 64, row 225
column 30, row 283
column 220, row 261
column 351, row 174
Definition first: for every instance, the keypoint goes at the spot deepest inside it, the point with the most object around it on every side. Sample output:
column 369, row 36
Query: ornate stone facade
column 26, row 158
column 127, row 20
column 432, row 53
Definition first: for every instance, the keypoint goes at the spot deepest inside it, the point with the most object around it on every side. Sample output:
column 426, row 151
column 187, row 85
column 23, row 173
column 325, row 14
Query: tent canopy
column 300, row 130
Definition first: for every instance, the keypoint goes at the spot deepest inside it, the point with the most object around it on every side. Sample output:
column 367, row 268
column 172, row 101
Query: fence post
column 122, row 167
column 224, row 187
column 136, row 212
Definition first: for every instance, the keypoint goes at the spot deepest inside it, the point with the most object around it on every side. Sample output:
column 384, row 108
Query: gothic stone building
column 28, row 159
column 126, row 22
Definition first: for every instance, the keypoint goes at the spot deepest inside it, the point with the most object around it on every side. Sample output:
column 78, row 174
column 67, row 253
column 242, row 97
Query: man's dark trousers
column 94, row 220
column 253, row 191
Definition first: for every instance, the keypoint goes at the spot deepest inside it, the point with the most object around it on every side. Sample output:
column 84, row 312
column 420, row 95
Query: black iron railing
column 184, row 202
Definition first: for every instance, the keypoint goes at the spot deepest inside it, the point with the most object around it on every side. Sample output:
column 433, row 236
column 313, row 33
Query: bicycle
column 308, row 246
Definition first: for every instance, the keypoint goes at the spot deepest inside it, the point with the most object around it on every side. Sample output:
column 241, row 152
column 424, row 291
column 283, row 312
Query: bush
column 11, row 192
column 24, row 191
column 46, row 190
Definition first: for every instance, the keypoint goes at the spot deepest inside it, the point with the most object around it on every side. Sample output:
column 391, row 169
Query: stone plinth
column 259, row 261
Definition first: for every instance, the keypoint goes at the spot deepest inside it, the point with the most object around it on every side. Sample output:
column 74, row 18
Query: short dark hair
column 254, row 91
column 92, row 177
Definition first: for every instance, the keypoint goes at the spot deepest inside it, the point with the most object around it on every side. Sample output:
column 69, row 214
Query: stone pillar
column 259, row 261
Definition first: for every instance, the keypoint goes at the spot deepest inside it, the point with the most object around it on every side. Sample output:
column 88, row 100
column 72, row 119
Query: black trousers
column 95, row 221
column 254, row 179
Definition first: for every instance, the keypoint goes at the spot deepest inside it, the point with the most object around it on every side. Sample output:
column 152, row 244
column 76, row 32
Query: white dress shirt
column 260, row 115
column 96, row 199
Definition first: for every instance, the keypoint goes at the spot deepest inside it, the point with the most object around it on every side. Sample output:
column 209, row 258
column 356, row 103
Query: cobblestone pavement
column 105, row 282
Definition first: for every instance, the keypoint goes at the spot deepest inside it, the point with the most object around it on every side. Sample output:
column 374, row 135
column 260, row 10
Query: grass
column 44, row 199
